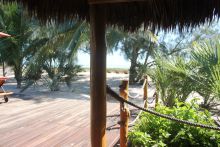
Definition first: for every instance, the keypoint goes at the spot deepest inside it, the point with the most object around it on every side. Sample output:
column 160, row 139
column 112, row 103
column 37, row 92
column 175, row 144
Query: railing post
column 124, row 115
column 145, row 88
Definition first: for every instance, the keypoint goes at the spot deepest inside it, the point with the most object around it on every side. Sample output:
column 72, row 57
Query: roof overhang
column 112, row 1
column 130, row 14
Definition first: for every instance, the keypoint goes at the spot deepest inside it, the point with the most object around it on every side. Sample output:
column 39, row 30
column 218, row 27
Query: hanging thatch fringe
column 157, row 14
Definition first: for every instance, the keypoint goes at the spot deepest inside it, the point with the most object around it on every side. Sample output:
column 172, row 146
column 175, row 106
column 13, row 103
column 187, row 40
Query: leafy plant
column 135, row 47
column 178, row 77
column 57, row 57
column 206, row 55
column 156, row 131
column 174, row 78
column 17, row 50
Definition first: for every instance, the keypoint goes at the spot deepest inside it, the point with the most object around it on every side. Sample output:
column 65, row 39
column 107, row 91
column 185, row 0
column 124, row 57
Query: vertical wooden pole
column 145, row 88
column 124, row 115
column 98, row 76
column 124, row 89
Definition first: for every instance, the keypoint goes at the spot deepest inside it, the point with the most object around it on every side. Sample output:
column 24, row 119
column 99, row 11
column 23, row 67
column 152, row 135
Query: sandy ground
column 80, row 88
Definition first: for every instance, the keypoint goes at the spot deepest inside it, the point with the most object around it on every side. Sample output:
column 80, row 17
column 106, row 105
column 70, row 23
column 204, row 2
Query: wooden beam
column 112, row 1
column 98, row 76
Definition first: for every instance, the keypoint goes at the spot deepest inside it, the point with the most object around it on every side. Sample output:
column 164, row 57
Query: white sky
column 115, row 60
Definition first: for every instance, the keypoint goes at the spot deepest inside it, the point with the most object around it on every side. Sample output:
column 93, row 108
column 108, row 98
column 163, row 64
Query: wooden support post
column 124, row 115
column 124, row 121
column 124, row 89
column 145, row 88
column 98, row 76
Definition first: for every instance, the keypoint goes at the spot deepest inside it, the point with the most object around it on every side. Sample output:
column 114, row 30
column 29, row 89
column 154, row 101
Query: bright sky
column 115, row 60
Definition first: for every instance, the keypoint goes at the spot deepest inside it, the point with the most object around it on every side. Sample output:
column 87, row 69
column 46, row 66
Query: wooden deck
column 51, row 122
column 39, row 118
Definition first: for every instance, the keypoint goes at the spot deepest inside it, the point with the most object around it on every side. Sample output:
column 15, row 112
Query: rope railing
column 151, row 102
column 120, row 99
column 138, row 116
column 138, row 96
column 133, row 97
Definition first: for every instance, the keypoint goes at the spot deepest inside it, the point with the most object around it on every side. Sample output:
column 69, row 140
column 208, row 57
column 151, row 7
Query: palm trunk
column 132, row 70
column 18, row 76
column 3, row 68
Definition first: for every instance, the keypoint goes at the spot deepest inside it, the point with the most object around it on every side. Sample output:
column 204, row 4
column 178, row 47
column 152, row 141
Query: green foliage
column 17, row 51
column 34, row 47
column 156, row 131
column 137, row 46
column 207, row 58
column 58, row 55
column 178, row 77
column 172, row 79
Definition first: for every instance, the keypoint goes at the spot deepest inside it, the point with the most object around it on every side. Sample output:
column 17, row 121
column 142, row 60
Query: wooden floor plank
column 52, row 123
column 45, row 121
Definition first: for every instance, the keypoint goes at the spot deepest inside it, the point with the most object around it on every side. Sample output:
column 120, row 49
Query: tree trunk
column 18, row 76
column 132, row 71
column 3, row 68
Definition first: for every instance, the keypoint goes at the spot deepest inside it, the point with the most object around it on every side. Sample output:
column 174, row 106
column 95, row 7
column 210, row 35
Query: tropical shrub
column 172, row 79
column 206, row 55
column 156, row 131
column 18, row 49
column 178, row 77
column 58, row 56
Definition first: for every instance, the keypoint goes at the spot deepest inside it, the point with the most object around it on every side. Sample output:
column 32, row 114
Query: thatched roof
column 165, row 14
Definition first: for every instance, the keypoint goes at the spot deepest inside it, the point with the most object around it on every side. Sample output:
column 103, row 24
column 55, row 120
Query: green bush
column 156, row 131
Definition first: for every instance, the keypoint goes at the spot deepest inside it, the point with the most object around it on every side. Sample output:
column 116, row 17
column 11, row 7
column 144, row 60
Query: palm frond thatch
column 156, row 14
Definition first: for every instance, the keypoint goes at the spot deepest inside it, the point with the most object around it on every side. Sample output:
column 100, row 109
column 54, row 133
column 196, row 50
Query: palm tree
column 58, row 55
column 173, row 78
column 15, row 49
column 34, row 46
column 177, row 77
column 207, row 58
column 134, row 46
